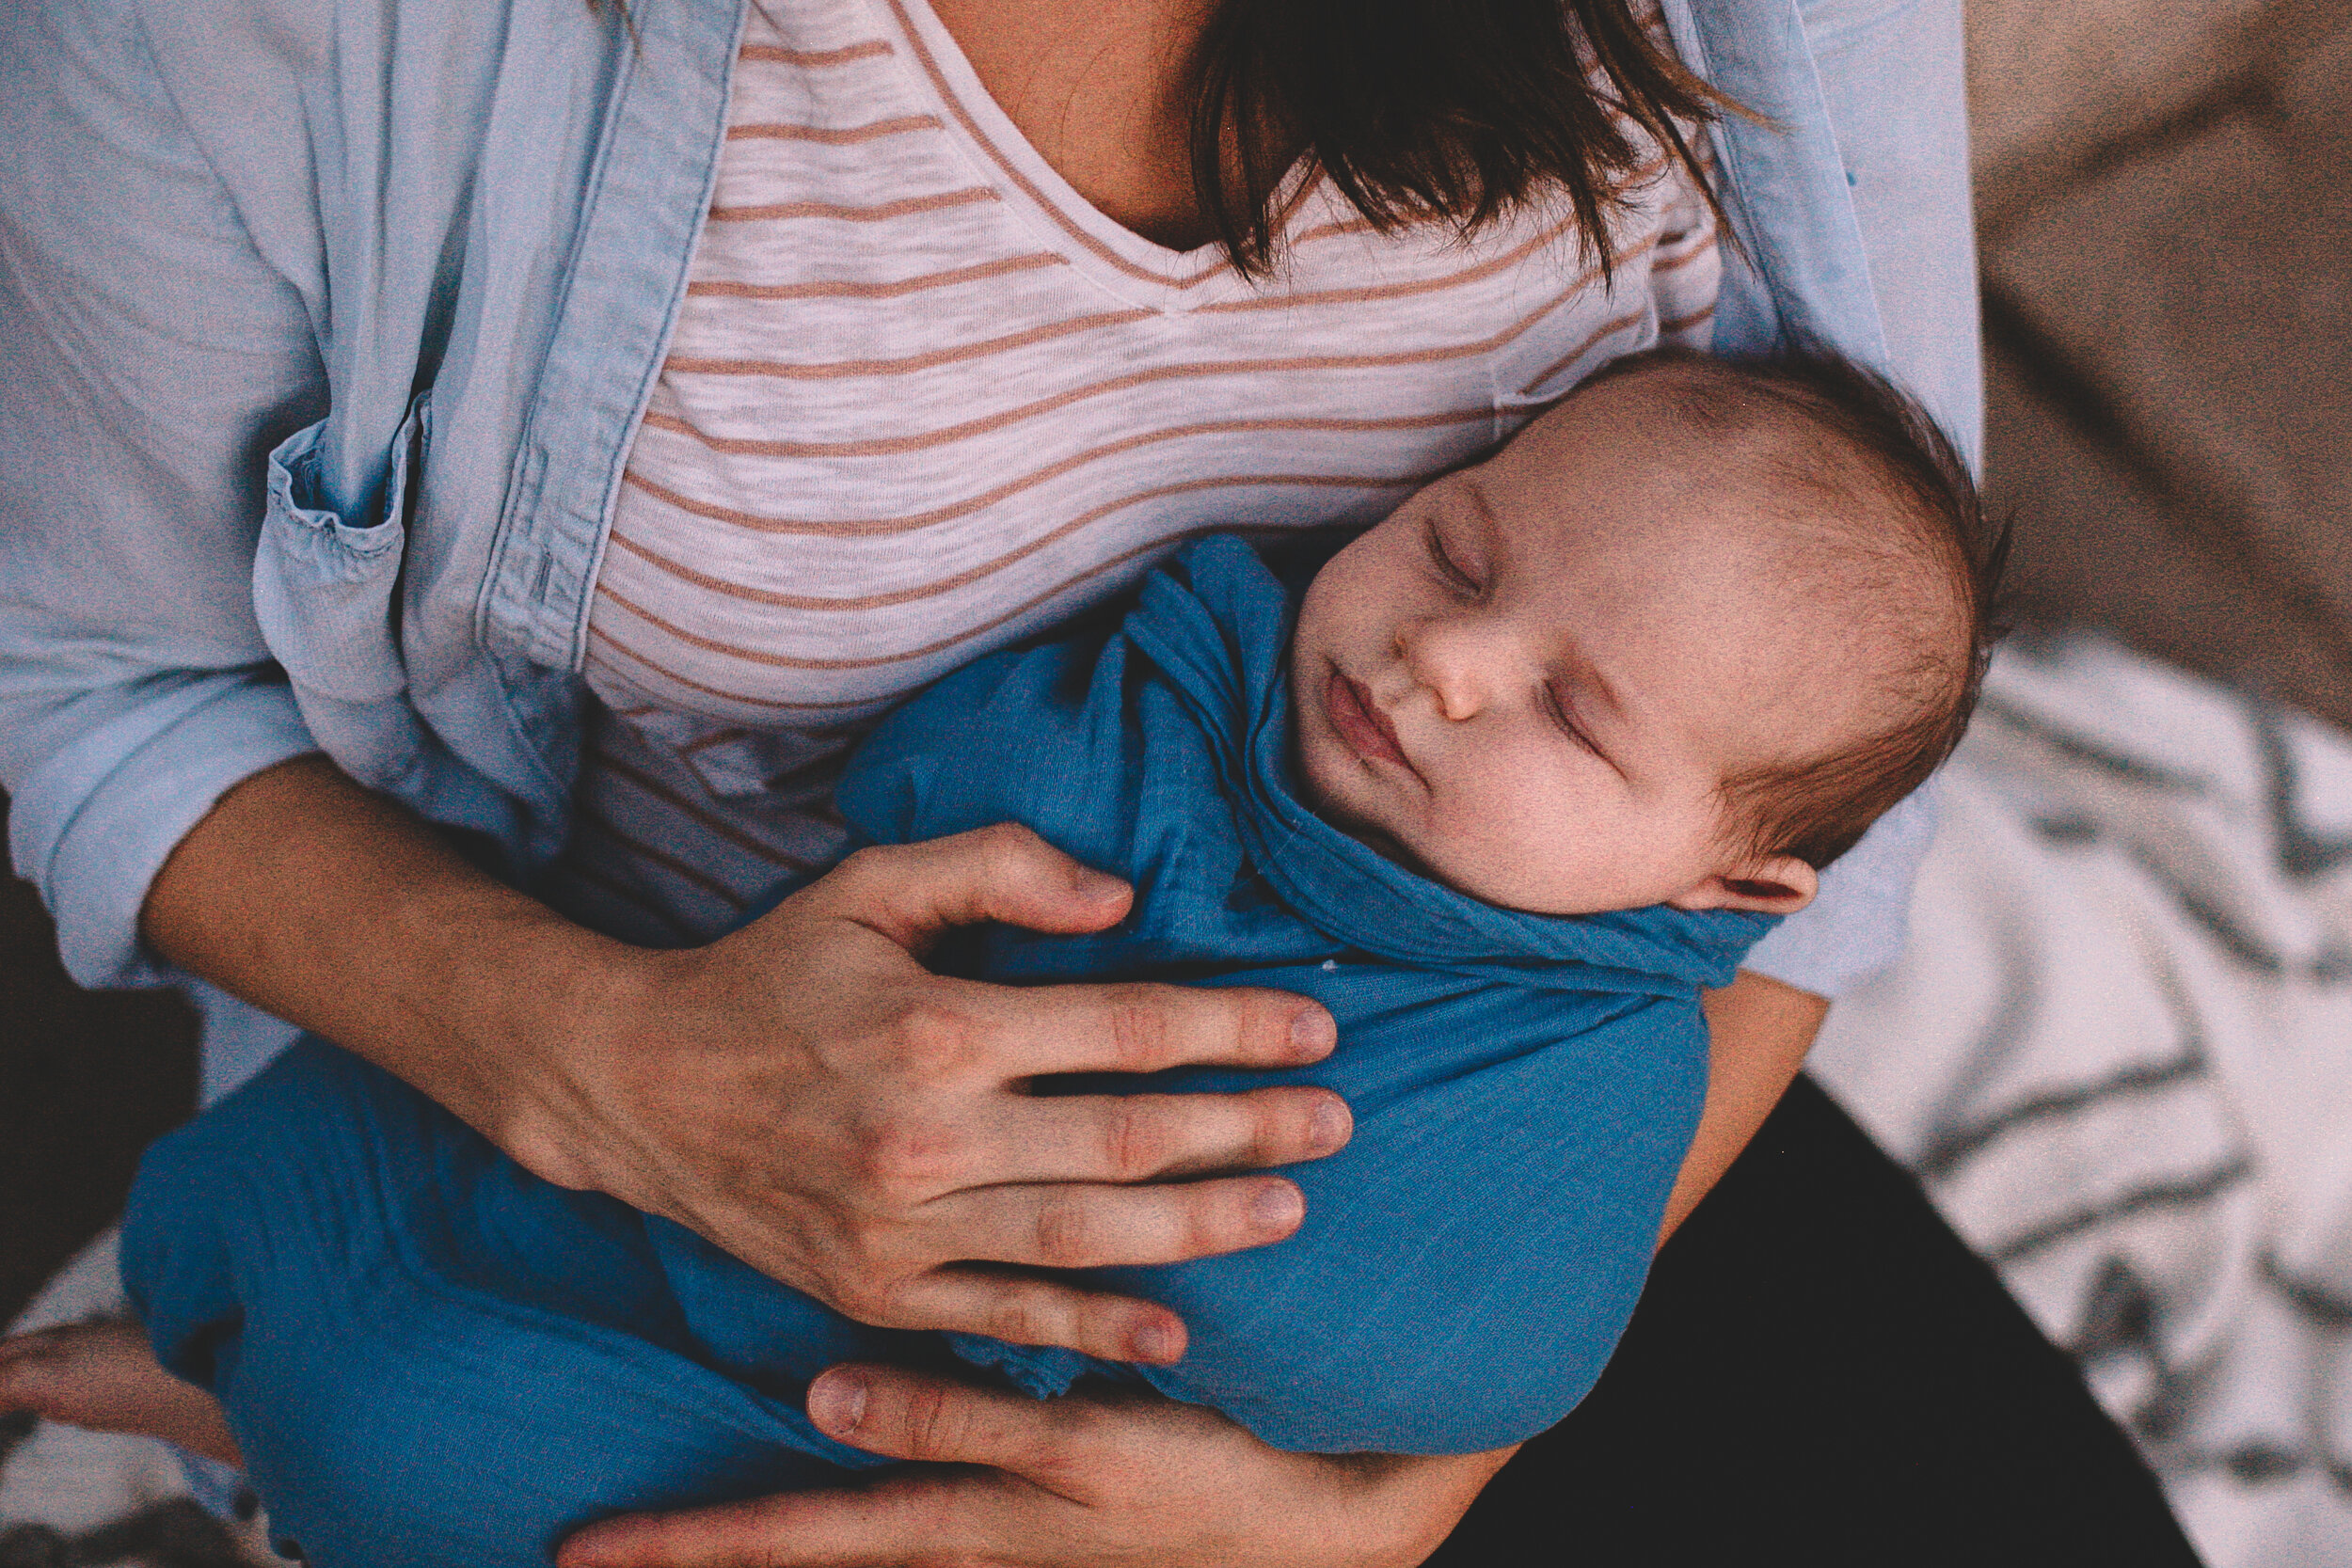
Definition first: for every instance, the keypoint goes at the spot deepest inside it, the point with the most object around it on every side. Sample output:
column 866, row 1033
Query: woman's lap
column 1819, row 1370
column 1822, row 1372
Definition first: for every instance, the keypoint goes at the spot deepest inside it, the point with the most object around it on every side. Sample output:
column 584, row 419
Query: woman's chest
column 923, row 399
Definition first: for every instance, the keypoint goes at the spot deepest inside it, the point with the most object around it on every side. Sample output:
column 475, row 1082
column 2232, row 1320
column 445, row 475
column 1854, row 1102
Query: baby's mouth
column 1361, row 724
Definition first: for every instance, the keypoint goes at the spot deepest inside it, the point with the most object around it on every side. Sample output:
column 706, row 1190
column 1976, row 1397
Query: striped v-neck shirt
column 923, row 400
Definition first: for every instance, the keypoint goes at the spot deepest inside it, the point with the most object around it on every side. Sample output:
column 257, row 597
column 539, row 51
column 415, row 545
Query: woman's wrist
column 339, row 911
column 531, row 1009
column 1415, row 1501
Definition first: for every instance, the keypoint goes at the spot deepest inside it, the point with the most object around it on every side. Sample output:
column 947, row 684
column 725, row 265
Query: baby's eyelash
column 1445, row 562
column 1561, row 717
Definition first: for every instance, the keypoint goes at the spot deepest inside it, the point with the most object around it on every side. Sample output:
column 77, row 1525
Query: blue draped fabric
column 430, row 1357
column 1524, row 1085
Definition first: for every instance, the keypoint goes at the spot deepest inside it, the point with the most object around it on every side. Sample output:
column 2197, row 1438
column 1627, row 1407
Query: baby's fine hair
column 1905, row 494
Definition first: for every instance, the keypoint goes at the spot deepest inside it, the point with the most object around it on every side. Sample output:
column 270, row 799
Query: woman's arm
column 804, row 1092
column 154, row 356
column 1081, row 1481
column 1758, row 1031
column 1893, row 82
column 1893, row 86
column 160, row 327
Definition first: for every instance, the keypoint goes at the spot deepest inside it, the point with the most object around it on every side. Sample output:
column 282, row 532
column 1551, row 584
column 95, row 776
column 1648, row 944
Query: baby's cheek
column 1321, row 778
column 1486, row 853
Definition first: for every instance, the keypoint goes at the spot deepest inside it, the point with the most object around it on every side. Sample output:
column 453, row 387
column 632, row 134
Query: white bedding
column 2118, row 1052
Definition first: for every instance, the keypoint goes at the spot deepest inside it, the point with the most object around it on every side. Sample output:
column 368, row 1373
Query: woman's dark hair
column 1451, row 111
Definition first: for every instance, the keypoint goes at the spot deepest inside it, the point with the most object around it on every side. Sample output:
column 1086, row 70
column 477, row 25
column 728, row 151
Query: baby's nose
column 1446, row 658
column 1458, row 699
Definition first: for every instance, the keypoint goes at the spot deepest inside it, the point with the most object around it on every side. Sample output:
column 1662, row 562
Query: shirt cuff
column 92, row 826
column 1856, row 926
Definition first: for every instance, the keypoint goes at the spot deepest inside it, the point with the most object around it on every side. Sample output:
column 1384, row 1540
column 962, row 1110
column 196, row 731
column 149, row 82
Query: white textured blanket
column 2119, row 1052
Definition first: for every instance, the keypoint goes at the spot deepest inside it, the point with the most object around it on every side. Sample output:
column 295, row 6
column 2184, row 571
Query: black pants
column 1822, row 1373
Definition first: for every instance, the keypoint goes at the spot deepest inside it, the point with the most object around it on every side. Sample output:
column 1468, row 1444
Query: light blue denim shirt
column 327, row 327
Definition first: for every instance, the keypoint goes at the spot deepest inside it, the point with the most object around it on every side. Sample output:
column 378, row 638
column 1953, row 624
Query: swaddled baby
column 1503, row 785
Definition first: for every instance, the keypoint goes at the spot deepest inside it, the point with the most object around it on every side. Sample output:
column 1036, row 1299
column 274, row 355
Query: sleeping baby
column 1504, row 784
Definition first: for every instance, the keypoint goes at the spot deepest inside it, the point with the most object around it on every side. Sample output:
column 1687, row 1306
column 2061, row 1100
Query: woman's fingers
column 1074, row 1482
column 921, row 1519
column 1022, row 1310
column 911, row 892
column 1074, row 1225
column 806, row 1095
column 1149, row 1028
column 915, row 1415
column 1066, row 1225
column 1148, row 1137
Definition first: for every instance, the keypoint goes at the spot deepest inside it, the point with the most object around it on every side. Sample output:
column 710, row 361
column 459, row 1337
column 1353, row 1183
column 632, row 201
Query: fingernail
column 1153, row 1342
column 1313, row 1032
column 1277, row 1207
column 836, row 1403
column 607, row 1542
column 1097, row 888
column 1330, row 1127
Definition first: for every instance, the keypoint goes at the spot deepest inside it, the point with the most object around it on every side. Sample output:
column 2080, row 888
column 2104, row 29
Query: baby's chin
column 1308, row 759
column 1389, row 847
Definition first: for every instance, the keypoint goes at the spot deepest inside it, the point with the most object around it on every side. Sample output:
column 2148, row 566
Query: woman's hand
column 808, row 1096
column 802, row 1092
column 1093, row 1481
column 1074, row 1482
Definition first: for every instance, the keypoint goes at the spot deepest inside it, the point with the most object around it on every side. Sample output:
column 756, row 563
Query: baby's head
column 1680, row 641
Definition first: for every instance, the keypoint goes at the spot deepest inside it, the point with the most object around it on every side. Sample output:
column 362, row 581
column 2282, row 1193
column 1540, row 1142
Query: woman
column 440, row 294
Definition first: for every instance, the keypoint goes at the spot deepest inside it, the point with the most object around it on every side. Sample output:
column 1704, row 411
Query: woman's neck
column 1104, row 91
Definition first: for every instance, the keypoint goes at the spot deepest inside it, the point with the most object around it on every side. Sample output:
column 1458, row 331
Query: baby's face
column 1531, row 679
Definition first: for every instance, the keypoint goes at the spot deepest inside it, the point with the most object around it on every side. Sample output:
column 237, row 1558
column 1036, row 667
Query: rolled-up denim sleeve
column 154, row 356
column 1892, row 78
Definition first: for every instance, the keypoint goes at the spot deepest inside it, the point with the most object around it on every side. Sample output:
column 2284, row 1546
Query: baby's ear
column 1770, row 884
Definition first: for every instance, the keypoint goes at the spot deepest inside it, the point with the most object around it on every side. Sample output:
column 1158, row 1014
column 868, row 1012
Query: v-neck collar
column 1130, row 266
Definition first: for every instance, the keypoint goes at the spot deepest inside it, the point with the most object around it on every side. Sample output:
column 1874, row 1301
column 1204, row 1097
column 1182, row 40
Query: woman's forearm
column 339, row 911
column 1758, row 1031
column 803, row 1091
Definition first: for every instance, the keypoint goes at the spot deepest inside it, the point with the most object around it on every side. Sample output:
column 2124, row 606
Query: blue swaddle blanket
column 430, row 1357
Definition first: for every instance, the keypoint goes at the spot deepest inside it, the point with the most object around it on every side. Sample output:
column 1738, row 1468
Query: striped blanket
column 2119, row 1052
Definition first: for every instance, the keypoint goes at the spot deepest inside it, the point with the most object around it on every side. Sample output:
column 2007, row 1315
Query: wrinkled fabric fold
column 1524, row 1085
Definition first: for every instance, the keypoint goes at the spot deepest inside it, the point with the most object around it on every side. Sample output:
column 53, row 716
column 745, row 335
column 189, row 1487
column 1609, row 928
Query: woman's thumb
column 913, row 892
